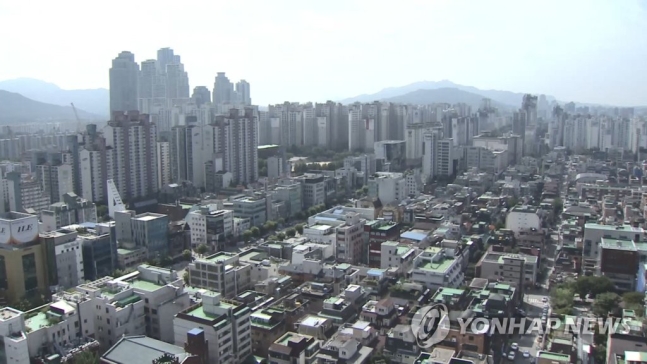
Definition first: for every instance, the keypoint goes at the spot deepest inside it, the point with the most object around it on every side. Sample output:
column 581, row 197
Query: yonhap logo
column 430, row 325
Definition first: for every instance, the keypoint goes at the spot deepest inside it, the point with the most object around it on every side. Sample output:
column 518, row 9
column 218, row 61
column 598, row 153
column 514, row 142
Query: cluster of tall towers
column 164, row 83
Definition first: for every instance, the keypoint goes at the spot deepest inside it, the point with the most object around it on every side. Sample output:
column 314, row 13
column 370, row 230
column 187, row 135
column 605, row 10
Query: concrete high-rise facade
column 124, row 79
column 243, row 91
column 237, row 143
column 163, row 164
column 223, row 89
column 201, row 95
column 132, row 137
column 191, row 146
column 225, row 93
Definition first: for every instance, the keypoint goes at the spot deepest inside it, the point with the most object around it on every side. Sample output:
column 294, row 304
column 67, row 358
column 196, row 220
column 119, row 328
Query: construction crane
column 79, row 126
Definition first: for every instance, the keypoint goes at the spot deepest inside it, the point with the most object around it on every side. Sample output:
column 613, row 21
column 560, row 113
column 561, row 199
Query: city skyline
column 590, row 52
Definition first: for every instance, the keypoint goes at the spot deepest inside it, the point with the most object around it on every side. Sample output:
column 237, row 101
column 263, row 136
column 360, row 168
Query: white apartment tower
column 237, row 142
column 163, row 164
column 132, row 137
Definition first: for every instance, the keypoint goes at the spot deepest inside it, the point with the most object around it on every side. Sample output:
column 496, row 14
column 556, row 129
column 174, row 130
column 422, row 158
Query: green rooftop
column 439, row 267
column 128, row 300
column 554, row 356
column 618, row 244
column 37, row 321
column 217, row 258
column 145, row 285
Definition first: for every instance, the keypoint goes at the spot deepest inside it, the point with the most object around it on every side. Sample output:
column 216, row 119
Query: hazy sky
column 300, row 50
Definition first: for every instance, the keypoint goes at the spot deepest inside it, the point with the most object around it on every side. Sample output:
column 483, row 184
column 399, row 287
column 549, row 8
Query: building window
column 29, row 271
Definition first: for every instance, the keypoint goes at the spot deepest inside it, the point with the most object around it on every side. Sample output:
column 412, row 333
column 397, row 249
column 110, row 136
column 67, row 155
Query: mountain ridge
column 508, row 98
column 443, row 95
column 94, row 101
column 16, row 108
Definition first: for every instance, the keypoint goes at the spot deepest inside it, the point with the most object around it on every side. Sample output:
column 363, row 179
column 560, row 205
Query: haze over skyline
column 589, row 51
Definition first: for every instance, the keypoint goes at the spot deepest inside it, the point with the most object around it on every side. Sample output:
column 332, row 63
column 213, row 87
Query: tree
column 185, row 276
column 86, row 357
column 605, row 303
column 256, row 232
column 166, row 261
column 291, row 232
column 280, row 236
column 557, row 205
column 154, row 262
column 299, row 228
column 247, row 235
column 633, row 298
column 272, row 238
column 202, row 249
column 186, row 255
column 299, row 215
column 562, row 297
column 102, row 211
column 512, row 201
column 281, row 221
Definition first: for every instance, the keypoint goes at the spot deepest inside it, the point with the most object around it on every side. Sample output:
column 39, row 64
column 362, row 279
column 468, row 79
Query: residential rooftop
column 558, row 357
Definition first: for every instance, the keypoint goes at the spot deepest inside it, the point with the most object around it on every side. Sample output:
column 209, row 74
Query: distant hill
column 16, row 108
column 95, row 101
column 443, row 95
column 506, row 98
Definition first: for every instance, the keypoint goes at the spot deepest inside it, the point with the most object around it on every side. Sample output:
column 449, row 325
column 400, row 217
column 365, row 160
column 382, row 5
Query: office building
column 148, row 231
column 124, row 77
column 24, row 261
column 25, row 193
column 210, row 227
column 222, row 272
column 68, row 264
column 71, row 210
column 99, row 248
column 253, row 208
column 132, row 137
column 389, row 187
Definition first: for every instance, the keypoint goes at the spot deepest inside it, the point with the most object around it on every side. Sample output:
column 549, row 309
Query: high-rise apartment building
column 191, row 146
column 201, row 95
column 243, row 91
column 132, row 137
column 236, row 137
column 225, row 93
column 163, row 164
column 124, row 77
column 222, row 90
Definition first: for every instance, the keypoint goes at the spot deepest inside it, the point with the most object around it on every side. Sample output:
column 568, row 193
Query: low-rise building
column 437, row 267
column 294, row 348
column 221, row 272
column 226, row 325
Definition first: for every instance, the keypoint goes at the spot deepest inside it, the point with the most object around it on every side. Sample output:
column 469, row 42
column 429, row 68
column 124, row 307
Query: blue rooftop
column 375, row 272
column 412, row 235
column 196, row 331
column 88, row 225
